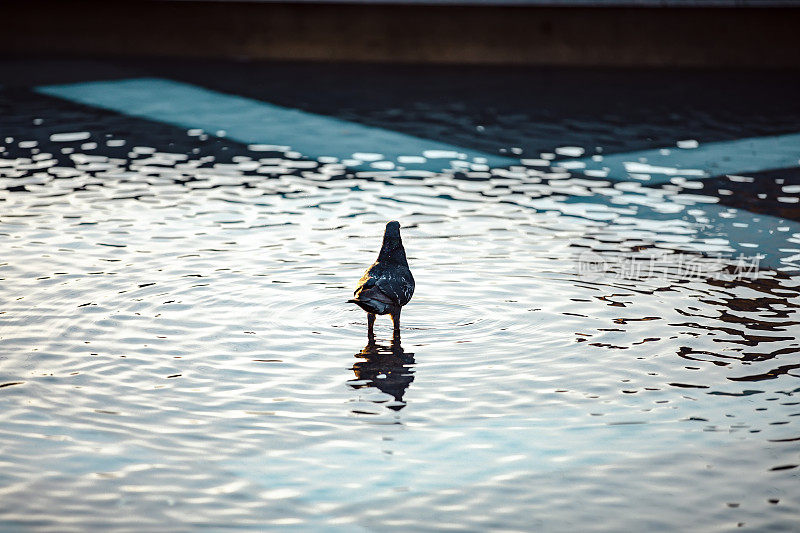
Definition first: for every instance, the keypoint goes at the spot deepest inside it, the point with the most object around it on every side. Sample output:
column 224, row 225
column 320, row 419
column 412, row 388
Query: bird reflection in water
column 387, row 368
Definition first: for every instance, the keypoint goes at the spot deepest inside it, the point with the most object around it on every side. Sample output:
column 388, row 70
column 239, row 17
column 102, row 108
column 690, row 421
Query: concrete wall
column 472, row 34
column 549, row 3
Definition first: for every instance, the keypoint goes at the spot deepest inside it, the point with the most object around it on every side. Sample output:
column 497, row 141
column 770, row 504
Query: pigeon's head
column 392, row 230
column 392, row 249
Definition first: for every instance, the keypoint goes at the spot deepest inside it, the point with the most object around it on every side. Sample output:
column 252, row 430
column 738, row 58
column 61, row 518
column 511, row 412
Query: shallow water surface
column 579, row 354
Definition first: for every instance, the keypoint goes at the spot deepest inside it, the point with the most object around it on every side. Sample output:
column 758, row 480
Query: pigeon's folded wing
column 397, row 285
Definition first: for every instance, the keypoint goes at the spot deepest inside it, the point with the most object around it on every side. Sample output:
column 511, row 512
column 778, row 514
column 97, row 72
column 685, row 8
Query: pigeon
column 387, row 285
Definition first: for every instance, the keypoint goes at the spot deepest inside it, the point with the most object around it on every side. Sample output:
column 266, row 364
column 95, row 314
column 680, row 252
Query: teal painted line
column 254, row 122
column 368, row 148
column 658, row 166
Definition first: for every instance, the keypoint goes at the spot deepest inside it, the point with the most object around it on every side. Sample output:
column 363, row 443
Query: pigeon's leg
column 370, row 324
column 396, row 321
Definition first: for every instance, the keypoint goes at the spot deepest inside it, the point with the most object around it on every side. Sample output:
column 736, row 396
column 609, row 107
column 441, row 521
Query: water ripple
column 178, row 350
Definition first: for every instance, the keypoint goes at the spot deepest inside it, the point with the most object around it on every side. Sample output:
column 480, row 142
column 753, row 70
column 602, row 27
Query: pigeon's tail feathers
column 371, row 306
